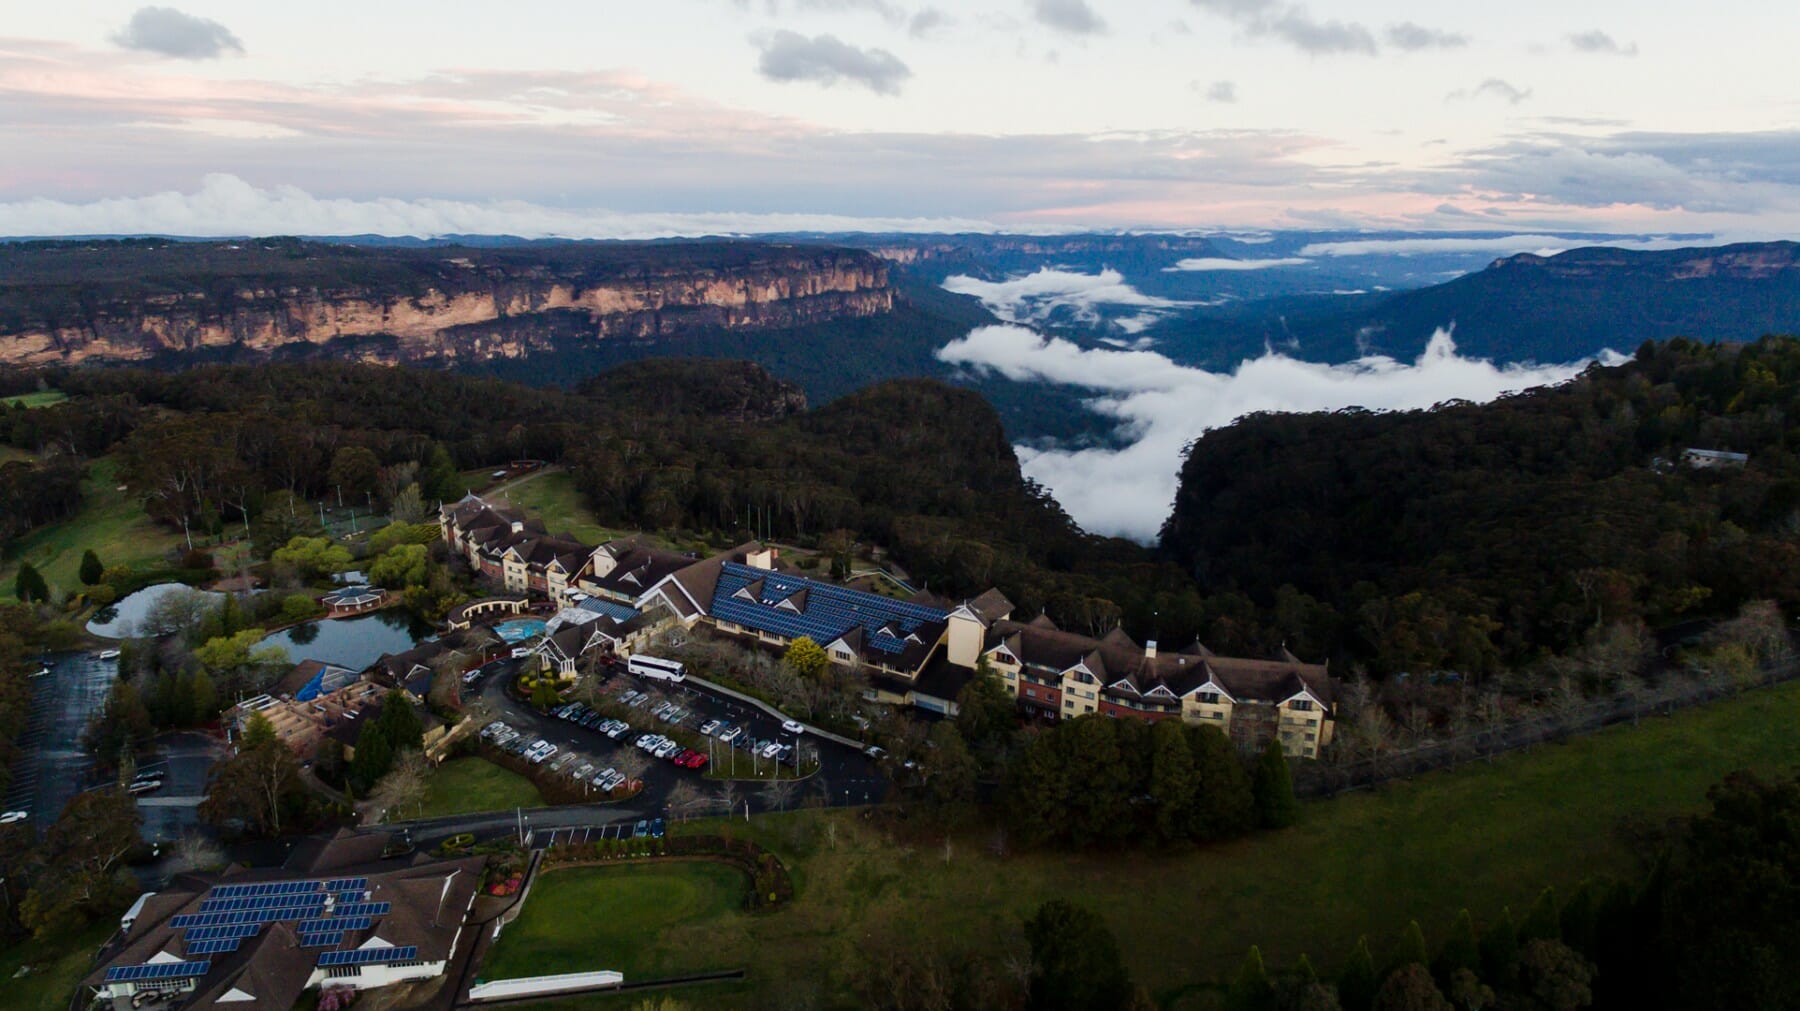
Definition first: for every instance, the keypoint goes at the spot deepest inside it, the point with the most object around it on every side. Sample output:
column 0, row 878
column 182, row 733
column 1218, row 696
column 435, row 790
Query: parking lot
column 844, row 776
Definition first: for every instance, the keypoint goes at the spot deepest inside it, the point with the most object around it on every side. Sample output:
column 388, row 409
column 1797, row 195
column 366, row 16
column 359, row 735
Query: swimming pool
column 520, row 629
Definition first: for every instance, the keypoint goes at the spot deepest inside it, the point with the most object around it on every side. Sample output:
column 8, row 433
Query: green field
column 55, row 966
column 43, row 399
column 472, row 785
column 644, row 920
column 1483, row 836
column 111, row 522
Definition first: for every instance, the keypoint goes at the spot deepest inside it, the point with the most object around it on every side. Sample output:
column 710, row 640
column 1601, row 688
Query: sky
column 546, row 117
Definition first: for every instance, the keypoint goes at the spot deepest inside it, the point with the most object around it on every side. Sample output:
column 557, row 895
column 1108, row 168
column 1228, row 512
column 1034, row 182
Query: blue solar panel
column 336, row 923
column 227, row 930
column 159, row 970
column 829, row 611
column 369, row 956
column 364, row 909
column 321, row 938
column 215, row 947
column 347, row 885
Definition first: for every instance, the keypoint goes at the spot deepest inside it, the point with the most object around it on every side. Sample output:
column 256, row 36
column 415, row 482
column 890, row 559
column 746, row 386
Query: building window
column 1209, row 698
column 1031, row 693
column 1068, row 703
column 1300, row 705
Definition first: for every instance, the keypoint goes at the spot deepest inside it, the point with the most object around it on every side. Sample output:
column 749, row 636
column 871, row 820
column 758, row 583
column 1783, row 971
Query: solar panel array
column 352, row 922
column 157, row 970
column 238, row 930
column 221, row 946
column 369, row 956
column 363, row 909
column 267, row 888
column 231, row 913
column 830, row 611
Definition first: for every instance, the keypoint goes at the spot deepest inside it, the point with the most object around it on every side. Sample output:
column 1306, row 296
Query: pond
column 123, row 618
column 352, row 642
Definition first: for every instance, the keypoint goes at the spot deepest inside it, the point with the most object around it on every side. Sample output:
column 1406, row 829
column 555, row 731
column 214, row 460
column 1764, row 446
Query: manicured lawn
column 56, row 966
column 110, row 521
column 551, row 497
column 1483, row 836
column 44, row 399
column 472, row 785
column 644, row 920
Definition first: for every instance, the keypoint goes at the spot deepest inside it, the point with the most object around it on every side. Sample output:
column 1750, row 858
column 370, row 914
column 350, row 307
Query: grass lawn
column 1483, row 836
column 56, row 966
column 110, row 521
column 551, row 496
column 43, row 399
column 472, row 785
column 644, row 920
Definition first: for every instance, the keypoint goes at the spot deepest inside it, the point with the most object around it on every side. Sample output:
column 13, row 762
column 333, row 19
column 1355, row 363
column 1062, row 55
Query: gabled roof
column 893, row 633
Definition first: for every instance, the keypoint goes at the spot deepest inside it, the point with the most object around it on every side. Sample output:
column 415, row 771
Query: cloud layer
column 1161, row 406
column 226, row 205
column 1201, row 263
column 1037, row 297
column 168, row 32
column 828, row 60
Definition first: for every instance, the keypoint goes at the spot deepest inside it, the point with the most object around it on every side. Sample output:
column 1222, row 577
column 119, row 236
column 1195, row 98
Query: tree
column 1577, row 921
column 1225, row 806
column 1075, row 961
column 1468, row 992
column 400, row 723
column 1410, row 988
column 806, row 658
column 1554, row 977
column 312, row 558
column 86, row 846
column 1273, row 789
column 29, row 585
column 949, row 769
column 1544, row 922
column 408, row 506
column 259, row 786
column 373, row 756
column 1173, row 782
column 406, row 784
column 1251, row 990
column 123, row 725
column 1411, row 950
column 91, row 570
column 1357, row 984
column 400, row 568
column 988, row 717
column 1461, row 950
column 354, row 471
column 439, row 480
column 1500, row 950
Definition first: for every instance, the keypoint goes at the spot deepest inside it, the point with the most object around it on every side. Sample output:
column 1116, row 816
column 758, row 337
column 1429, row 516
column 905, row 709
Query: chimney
column 517, row 526
column 1150, row 649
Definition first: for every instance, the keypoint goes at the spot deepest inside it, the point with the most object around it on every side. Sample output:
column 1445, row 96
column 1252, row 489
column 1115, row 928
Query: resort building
column 594, row 625
column 300, row 723
column 511, row 549
column 336, row 915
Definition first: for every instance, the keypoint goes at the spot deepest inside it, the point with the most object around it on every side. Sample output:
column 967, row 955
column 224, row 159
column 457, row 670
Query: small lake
column 121, row 619
column 352, row 642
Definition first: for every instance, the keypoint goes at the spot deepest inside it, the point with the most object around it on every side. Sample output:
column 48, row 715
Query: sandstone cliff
column 70, row 303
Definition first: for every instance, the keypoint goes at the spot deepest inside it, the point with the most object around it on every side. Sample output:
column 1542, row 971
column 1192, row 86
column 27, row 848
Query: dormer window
column 1209, row 698
column 1300, row 705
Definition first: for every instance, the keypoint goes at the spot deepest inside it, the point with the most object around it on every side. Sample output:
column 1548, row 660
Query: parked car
column 561, row 761
column 695, row 760
column 666, row 748
column 793, row 727
column 731, row 734
column 582, row 772
column 681, row 757
column 140, row 787
column 521, row 652
column 875, row 752
column 710, row 727
column 769, row 750
column 619, row 730
column 14, row 817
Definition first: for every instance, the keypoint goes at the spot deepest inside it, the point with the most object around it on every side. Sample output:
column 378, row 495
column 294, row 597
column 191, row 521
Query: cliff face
column 412, row 305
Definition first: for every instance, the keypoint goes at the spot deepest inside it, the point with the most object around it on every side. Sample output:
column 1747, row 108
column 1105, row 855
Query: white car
column 793, row 727
column 770, row 750
column 14, row 817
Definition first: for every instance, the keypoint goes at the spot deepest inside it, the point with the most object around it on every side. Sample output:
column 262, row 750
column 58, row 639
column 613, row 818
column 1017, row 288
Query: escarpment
column 68, row 303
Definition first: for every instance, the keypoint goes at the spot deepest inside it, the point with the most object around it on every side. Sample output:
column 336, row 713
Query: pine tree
column 1173, row 783
column 1410, row 951
column 373, row 757
column 91, row 570
column 1356, row 986
column 1578, row 920
column 439, row 482
column 1273, row 789
column 1500, row 950
column 1224, row 806
column 399, row 723
column 1304, row 973
column 1544, row 922
column 1461, row 950
column 29, row 584
column 1251, row 991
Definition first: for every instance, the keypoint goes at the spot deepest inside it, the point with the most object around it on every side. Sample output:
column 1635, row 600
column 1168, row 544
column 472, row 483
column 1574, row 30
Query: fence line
column 1326, row 780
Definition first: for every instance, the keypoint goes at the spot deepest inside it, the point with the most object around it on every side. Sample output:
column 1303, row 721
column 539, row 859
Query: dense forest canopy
column 1465, row 535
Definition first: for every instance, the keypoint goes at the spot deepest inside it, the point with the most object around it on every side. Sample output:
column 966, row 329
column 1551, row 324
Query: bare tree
column 727, row 796
column 405, row 786
column 632, row 764
column 781, row 793
column 195, row 852
column 685, row 799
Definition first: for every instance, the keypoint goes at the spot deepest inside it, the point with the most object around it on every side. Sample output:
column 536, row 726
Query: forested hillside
column 1468, row 536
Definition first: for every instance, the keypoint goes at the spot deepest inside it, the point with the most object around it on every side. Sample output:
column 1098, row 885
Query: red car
column 693, row 760
column 683, row 756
